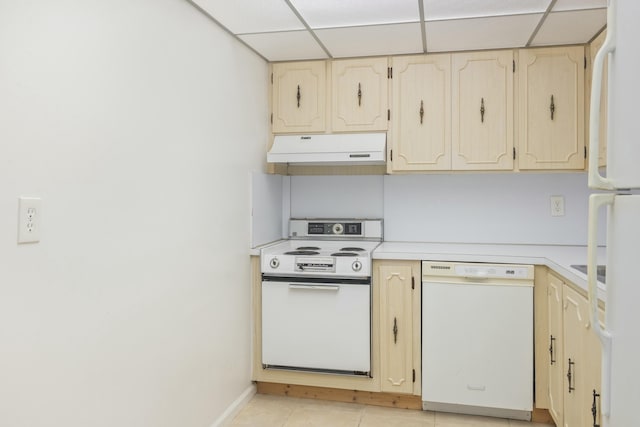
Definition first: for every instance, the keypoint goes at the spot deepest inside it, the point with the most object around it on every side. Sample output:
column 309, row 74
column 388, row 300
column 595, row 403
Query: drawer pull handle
column 298, row 96
column 359, row 95
column 552, row 107
column 421, row 111
column 482, row 110
column 551, row 349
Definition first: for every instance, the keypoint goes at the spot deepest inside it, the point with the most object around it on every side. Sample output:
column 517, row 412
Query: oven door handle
column 314, row 287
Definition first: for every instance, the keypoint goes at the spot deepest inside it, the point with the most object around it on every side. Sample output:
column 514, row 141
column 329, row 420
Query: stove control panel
column 317, row 264
column 343, row 229
column 336, row 228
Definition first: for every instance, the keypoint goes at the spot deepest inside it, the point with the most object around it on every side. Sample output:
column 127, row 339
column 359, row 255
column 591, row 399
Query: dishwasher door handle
column 314, row 287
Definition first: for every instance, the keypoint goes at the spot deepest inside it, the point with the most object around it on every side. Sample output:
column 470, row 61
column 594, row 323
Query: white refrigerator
column 619, row 198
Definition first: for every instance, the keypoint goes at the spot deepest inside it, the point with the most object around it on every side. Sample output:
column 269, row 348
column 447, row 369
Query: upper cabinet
column 299, row 96
column 482, row 105
column 551, row 101
column 421, row 113
column 593, row 50
column 359, row 94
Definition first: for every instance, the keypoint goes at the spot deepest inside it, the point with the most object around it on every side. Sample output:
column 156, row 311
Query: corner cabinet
column 571, row 363
column 398, row 282
column 359, row 94
column 482, row 105
column 299, row 96
column 422, row 113
column 551, row 101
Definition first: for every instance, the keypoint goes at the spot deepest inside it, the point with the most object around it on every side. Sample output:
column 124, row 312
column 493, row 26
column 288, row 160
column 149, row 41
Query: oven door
column 317, row 324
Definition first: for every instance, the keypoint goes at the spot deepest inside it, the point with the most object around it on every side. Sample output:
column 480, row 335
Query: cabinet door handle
column 298, row 96
column 551, row 349
column 570, row 375
column 594, row 409
column 395, row 330
column 421, row 110
column 359, row 95
column 482, row 110
column 552, row 107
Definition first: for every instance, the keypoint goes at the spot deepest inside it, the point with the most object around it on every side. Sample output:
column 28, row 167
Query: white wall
column 470, row 208
column 138, row 123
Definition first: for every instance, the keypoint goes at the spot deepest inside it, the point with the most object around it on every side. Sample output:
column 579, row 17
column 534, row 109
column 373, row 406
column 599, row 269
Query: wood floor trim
column 339, row 395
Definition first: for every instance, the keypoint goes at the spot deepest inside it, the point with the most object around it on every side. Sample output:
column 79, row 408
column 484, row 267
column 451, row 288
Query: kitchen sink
column 601, row 271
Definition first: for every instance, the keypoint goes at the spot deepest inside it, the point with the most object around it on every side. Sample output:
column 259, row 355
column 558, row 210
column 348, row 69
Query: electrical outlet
column 557, row 205
column 29, row 219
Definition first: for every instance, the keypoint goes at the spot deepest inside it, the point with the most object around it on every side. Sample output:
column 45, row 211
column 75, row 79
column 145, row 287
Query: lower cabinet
column 398, row 282
column 573, row 360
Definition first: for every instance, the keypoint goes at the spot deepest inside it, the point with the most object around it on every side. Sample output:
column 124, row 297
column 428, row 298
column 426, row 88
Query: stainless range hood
column 329, row 149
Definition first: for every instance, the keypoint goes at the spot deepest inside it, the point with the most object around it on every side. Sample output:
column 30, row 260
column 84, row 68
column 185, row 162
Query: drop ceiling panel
column 570, row 27
column 480, row 33
column 456, row 9
column 579, row 4
column 252, row 16
column 372, row 40
column 285, row 46
column 341, row 13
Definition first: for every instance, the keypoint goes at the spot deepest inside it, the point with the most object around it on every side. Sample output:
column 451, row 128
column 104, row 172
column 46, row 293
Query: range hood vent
column 329, row 149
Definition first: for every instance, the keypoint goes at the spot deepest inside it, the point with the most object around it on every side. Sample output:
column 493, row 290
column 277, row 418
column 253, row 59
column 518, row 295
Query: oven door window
column 321, row 326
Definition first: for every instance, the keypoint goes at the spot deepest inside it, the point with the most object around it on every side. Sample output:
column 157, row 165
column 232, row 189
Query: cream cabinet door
column 359, row 94
column 582, row 360
column 399, row 335
column 482, row 105
column 555, row 342
column 421, row 113
column 593, row 50
column 551, row 106
column 299, row 96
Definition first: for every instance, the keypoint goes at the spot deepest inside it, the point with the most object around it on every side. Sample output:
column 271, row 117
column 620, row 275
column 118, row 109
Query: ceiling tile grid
column 287, row 30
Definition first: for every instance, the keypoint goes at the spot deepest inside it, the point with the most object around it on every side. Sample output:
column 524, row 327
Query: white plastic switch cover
column 557, row 205
column 29, row 219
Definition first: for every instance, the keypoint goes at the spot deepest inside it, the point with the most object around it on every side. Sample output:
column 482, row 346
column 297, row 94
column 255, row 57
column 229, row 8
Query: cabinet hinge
column 585, row 62
column 389, row 72
column 514, row 65
column 514, row 153
column 414, row 375
column 271, row 78
column 388, row 114
column 271, row 118
column 413, row 282
column 585, row 151
column 391, row 155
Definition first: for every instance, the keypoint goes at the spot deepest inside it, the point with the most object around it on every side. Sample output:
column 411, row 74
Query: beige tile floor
column 278, row 411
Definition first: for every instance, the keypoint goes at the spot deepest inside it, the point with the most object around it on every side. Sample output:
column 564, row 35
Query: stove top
column 318, row 258
column 324, row 248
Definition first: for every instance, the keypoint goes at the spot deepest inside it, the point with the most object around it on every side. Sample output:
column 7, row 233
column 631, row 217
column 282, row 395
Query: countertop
column 557, row 257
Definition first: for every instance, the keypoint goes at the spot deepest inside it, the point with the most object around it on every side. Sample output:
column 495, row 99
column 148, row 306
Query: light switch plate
column 29, row 219
column 557, row 205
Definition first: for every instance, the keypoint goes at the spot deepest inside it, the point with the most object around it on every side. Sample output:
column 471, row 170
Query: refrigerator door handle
column 596, row 201
column 595, row 179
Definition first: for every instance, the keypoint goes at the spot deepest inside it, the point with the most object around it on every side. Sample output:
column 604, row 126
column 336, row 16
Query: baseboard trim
column 235, row 407
column 391, row 400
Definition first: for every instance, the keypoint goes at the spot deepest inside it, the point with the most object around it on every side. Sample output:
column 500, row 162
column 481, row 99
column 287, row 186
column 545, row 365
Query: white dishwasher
column 477, row 339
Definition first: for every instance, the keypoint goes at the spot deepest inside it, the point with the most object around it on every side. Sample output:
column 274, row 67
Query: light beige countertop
column 557, row 257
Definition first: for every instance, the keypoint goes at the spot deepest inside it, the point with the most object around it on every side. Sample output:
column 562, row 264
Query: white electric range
column 316, row 297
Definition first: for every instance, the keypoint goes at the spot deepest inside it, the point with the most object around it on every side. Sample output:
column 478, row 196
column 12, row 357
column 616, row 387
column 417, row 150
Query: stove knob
column 274, row 263
column 356, row 266
column 337, row 228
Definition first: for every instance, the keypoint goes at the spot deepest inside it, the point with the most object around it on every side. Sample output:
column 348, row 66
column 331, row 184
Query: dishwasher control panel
column 477, row 270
